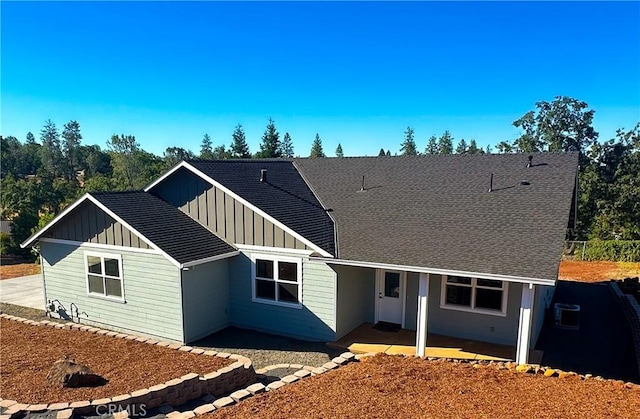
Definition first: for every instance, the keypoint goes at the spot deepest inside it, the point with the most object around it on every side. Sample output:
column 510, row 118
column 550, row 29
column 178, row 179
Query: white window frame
column 275, row 259
column 472, row 308
column 102, row 257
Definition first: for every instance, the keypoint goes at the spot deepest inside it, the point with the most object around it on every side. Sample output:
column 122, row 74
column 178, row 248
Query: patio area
column 366, row 338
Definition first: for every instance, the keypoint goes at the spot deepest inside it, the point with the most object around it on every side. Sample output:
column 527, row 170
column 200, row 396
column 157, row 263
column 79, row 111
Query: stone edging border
column 173, row 392
column 347, row 357
column 631, row 310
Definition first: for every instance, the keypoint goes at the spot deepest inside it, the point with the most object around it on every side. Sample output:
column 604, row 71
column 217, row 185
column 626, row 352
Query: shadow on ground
column 602, row 345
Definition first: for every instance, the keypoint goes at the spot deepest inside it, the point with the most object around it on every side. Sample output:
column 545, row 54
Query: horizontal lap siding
column 355, row 297
column 315, row 320
column 205, row 296
column 221, row 213
column 151, row 290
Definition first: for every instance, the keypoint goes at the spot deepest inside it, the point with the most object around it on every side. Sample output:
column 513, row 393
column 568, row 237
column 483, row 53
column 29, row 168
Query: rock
column 550, row 372
column 524, row 368
column 68, row 373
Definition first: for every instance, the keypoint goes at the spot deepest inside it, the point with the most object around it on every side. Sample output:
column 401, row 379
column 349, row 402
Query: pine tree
column 382, row 153
column 488, row 149
column 432, row 145
column 408, row 147
column 206, row 147
column 270, row 146
column 287, row 146
column 316, row 148
column 473, row 148
column 462, row 147
column 31, row 139
column 339, row 152
column 239, row 147
column 71, row 147
column 388, row 153
column 445, row 143
column 51, row 153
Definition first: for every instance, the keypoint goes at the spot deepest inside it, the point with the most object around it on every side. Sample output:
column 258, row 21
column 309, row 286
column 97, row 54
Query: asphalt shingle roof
column 436, row 211
column 285, row 195
column 177, row 234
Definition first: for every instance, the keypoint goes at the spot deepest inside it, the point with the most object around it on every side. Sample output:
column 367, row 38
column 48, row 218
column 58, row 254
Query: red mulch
column 586, row 271
column 27, row 353
column 395, row 387
column 21, row 269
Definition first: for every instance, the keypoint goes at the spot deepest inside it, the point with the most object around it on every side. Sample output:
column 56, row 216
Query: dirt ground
column 21, row 269
column 27, row 353
column 395, row 387
column 597, row 271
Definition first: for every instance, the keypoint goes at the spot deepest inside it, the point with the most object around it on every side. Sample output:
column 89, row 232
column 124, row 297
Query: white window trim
column 275, row 259
column 501, row 313
column 102, row 256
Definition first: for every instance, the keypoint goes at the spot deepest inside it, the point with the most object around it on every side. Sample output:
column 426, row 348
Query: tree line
column 40, row 178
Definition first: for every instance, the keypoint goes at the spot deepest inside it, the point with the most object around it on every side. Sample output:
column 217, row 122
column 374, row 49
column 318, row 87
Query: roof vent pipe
column 263, row 175
column 530, row 159
column 491, row 183
column 362, row 187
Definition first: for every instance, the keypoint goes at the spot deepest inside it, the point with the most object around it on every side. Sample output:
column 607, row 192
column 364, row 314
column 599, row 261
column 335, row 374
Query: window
column 104, row 275
column 276, row 280
column 474, row 294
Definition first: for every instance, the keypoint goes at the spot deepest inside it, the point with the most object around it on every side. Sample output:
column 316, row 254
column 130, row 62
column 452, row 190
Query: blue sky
column 356, row 73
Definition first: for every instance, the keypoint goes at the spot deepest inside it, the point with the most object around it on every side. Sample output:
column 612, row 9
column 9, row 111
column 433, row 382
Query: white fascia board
column 209, row 259
column 242, row 201
column 53, row 222
column 437, row 271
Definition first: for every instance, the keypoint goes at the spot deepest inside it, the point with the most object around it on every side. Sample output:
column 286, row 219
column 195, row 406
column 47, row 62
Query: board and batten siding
column 152, row 304
column 355, row 297
column 88, row 223
column 316, row 320
column 475, row 326
column 205, row 299
column 221, row 213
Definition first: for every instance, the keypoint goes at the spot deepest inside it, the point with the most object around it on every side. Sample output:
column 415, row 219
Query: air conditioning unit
column 567, row 316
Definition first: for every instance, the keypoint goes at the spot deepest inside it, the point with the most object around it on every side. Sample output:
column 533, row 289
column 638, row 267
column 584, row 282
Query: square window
column 264, row 268
column 266, row 289
column 489, row 299
column 288, row 292
column 95, row 264
column 460, row 296
column 288, row 271
column 113, row 287
column 104, row 275
column 112, row 267
column 96, row 284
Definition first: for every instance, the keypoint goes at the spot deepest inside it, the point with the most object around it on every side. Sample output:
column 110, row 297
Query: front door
column 390, row 292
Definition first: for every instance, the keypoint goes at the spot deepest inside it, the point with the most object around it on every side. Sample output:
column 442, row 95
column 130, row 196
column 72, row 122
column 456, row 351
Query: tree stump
column 68, row 373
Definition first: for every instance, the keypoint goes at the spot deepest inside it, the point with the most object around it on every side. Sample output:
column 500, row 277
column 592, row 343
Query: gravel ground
column 26, row 312
column 265, row 349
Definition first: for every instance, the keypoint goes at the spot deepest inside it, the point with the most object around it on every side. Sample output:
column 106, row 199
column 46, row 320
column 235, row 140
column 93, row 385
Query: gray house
column 463, row 245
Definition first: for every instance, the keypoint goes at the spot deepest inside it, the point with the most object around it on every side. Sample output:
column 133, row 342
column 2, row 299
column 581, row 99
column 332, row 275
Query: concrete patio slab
column 26, row 291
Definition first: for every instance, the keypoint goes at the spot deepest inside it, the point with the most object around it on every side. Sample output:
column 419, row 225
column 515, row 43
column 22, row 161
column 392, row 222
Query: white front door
column 390, row 296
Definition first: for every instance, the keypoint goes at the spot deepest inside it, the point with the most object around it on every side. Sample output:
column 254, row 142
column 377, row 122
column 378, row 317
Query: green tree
column 270, row 146
column 10, row 149
column 445, row 143
column 239, row 147
column 339, row 152
column 52, row 158
column 206, row 148
column 220, row 152
column 564, row 124
column 71, row 138
column 316, row 148
column 287, row 146
column 408, row 147
column 174, row 155
column 96, row 161
column 473, row 148
column 382, row 153
column 127, row 167
column 432, row 145
column 504, row 147
column 462, row 147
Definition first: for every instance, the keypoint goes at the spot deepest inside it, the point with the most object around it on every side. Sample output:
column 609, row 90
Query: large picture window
column 104, row 275
column 277, row 280
column 474, row 294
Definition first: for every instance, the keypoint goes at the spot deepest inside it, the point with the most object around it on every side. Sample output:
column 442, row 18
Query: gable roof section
column 285, row 197
column 166, row 228
column 436, row 211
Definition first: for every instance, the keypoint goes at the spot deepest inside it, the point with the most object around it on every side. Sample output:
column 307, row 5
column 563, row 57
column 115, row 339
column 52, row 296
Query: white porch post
column 524, row 326
column 421, row 329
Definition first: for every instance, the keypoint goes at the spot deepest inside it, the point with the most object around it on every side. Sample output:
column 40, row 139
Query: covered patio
column 367, row 338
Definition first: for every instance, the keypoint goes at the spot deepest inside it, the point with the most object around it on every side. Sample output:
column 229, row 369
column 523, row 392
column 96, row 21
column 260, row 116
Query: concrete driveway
column 24, row 291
